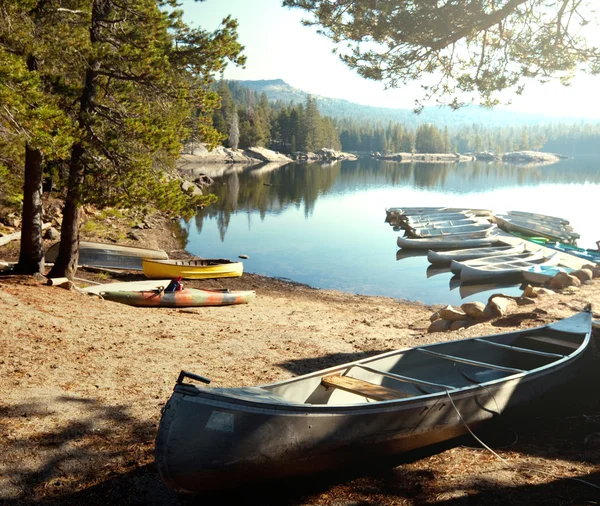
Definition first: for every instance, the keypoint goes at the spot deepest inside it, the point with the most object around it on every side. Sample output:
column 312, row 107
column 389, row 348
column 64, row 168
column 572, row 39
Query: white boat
column 541, row 274
column 428, row 218
column 447, row 241
column 528, row 255
column 538, row 217
column 362, row 411
column 507, row 270
column 109, row 256
column 534, row 229
column 476, row 230
column 442, row 223
column 461, row 255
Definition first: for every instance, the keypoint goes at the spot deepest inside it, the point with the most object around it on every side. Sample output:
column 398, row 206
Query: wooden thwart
column 364, row 388
column 554, row 341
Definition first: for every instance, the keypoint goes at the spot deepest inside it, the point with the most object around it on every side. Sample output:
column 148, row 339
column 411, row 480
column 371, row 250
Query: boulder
column 544, row 291
column 188, row 186
column 474, row 309
column 458, row 324
column 52, row 234
column 583, row 274
column 530, row 291
column 439, row 326
column 563, row 280
column 451, row 314
column 501, row 306
column 435, row 316
column 524, row 301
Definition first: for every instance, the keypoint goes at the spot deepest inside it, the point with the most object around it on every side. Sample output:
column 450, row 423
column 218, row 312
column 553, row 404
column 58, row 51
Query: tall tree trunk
column 31, row 256
column 65, row 264
column 68, row 253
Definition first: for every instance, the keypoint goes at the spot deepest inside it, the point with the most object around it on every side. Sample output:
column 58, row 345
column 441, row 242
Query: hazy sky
column 279, row 47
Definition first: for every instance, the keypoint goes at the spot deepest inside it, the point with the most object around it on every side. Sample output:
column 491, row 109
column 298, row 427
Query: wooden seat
column 364, row 388
column 554, row 341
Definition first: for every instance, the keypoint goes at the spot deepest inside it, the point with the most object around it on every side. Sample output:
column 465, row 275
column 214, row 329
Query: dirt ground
column 83, row 381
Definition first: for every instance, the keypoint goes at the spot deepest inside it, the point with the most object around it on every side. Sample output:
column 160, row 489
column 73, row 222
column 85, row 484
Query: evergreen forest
column 249, row 117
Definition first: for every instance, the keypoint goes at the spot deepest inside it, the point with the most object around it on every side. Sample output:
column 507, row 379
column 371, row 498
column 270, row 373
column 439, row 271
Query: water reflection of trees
column 271, row 190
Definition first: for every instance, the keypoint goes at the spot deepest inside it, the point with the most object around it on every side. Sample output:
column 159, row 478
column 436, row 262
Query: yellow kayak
column 201, row 268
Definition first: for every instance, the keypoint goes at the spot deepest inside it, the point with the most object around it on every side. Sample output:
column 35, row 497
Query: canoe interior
column 443, row 367
column 199, row 262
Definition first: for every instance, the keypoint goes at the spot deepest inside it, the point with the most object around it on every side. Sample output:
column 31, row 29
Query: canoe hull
column 446, row 257
column 295, row 443
column 109, row 256
column 220, row 268
column 448, row 242
column 184, row 298
column 211, row 438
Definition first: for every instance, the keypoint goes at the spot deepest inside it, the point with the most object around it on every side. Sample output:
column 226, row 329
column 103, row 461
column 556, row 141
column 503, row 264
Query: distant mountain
column 278, row 89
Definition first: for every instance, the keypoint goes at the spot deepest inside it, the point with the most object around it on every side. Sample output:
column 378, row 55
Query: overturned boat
column 398, row 401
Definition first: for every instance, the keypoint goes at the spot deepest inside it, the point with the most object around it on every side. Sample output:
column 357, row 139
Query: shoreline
column 84, row 380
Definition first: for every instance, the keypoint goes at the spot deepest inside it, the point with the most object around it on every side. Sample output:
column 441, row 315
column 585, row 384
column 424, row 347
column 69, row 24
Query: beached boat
column 199, row 268
column 360, row 412
column 526, row 227
column 587, row 254
column 460, row 255
column 538, row 217
column 428, row 218
column 109, row 256
column 506, row 270
column 482, row 230
column 442, row 223
column 188, row 297
column 447, row 241
column 543, row 273
column 528, row 255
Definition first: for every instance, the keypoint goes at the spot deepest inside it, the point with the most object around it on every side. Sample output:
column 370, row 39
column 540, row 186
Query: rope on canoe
column 519, row 468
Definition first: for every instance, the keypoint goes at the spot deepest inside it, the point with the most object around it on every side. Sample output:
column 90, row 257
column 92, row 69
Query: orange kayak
column 188, row 297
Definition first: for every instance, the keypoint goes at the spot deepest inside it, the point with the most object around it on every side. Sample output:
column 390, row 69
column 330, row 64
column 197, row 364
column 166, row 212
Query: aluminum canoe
column 507, row 270
column 446, row 257
column 434, row 231
column 359, row 412
column 109, row 256
column 457, row 265
column 447, row 241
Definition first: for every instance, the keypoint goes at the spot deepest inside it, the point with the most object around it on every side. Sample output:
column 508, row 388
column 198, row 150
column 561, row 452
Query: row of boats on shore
column 474, row 245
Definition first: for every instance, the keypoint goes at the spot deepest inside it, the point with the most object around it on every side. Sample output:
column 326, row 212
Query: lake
column 324, row 224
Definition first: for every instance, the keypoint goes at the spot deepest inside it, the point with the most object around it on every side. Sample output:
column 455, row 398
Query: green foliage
column 469, row 50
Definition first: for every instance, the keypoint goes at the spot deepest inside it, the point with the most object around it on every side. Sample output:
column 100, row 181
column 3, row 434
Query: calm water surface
column 324, row 224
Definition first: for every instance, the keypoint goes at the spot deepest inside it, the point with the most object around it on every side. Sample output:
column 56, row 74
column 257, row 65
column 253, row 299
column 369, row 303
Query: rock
column 12, row 220
column 583, row 274
column 190, row 187
column 501, row 306
column 132, row 235
column 474, row 309
column 530, row 291
column 435, row 316
column 545, row 291
column 439, row 326
column 458, row 324
column 524, row 301
column 451, row 314
column 563, row 280
column 52, row 234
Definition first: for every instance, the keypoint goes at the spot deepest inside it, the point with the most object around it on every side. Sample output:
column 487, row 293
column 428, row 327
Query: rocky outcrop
column 530, row 157
column 324, row 154
column 424, row 157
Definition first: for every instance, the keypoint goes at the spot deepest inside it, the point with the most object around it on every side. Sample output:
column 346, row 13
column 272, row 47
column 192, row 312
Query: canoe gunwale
column 222, row 399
